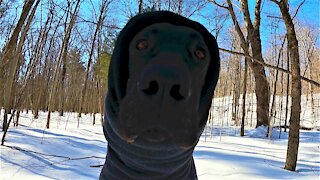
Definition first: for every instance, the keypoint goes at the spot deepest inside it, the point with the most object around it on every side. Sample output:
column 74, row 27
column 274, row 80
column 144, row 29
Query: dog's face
column 167, row 69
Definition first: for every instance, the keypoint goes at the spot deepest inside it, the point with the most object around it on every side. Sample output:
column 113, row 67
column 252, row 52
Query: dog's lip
column 131, row 140
column 155, row 135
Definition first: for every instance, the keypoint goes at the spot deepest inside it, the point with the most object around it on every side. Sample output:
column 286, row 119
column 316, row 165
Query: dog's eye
column 142, row 44
column 200, row 53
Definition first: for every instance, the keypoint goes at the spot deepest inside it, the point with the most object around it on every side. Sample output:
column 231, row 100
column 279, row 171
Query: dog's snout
column 162, row 83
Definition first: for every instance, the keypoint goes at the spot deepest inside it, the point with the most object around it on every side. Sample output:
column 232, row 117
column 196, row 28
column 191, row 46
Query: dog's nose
column 164, row 83
column 153, row 89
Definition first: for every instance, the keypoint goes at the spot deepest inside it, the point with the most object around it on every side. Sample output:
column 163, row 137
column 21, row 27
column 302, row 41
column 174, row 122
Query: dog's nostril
column 175, row 94
column 152, row 89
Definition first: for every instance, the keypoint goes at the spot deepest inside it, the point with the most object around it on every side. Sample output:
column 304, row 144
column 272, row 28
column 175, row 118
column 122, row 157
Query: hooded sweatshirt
column 135, row 161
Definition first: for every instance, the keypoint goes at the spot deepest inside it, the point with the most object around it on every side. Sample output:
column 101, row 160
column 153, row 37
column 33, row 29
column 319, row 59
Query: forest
column 54, row 57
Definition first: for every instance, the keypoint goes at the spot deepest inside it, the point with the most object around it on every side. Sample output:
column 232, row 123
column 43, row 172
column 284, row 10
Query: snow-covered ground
column 67, row 152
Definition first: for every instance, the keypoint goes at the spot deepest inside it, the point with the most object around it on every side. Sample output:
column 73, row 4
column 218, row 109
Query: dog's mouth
column 153, row 135
column 159, row 137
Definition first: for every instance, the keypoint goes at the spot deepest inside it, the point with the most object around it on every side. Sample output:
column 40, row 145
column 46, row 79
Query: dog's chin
column 156, row 137
column 148, row 136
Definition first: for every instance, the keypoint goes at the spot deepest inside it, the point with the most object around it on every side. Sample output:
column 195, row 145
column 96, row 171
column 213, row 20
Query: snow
column 256, row 157
column 62, row 139
column 221, row 111
column 67, row 152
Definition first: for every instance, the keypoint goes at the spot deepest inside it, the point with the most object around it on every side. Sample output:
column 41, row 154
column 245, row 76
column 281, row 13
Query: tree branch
column 270, row 66
column 198, row 8
column 295, row 14
column 246, row 14
column 257, row 14
column 217, row 4
column 275, row 1
column 99, row 165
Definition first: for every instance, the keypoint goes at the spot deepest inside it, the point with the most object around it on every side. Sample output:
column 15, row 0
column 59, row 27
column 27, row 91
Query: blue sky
column 309, row 15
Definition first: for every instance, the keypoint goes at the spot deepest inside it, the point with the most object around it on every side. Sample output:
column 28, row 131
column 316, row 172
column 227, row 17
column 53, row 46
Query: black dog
column 162, row 77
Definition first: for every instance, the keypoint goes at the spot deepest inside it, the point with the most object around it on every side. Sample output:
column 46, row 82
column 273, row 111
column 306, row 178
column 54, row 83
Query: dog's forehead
column 169, row 30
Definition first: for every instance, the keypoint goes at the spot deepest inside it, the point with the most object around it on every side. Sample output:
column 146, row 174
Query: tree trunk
column 60, row 57
column 273, row 112
column 313, row 109
column 261, row 82
column 6, row 130
column 140, row 6
column 94, row 118
column 159, row 4
column 10, row 53
column 180, row 7
column 47, row 72
column 293, row 141
column 262, row 94
column 287, row 90
column 244, row 96
column 273, row 102
column 99, row 24
column 16, row 124
column 236, row 93
column 37, row 56
column 64, row 57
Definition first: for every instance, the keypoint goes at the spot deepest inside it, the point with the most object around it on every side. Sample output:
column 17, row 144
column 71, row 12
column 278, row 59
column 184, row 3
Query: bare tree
column 36, row 59
column 10, row 57
column 273, row 101
column 61, row 57
column 103, row 10
column 253, row 41
column 235, row 77
column 293, row 141
column 307, row 37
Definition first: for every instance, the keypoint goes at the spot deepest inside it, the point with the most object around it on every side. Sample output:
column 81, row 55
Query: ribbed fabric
column 132, row 161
